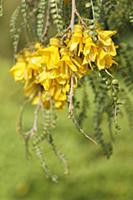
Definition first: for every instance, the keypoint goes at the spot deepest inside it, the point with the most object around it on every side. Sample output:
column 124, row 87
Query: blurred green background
column 92, row 176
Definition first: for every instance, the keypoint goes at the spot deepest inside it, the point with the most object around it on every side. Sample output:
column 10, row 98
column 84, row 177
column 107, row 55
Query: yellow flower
column 35, row 62
column 45, row 99
column 28, row 64
column 18, row 71
column 111, row 49
column 90, row 51
column 76, row 42
column 46, row 78
column 66, row 61
column 38, row 46
column 46, row 84
column 48, row 70
column 50, row 55
column 58, row 93
column 104, row 60
column 82, row 69
column 31, row 90
column 59, row 104
column 104, row 36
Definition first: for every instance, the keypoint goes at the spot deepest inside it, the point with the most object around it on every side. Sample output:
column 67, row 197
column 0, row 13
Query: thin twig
column 80, row 18
column 47, row 21
column 93, row 11
column 71, row 112
column 73, row 14
column 34, row 128
column 108, row 73
column 82, row 131
column 19, row 126
column 71, row 95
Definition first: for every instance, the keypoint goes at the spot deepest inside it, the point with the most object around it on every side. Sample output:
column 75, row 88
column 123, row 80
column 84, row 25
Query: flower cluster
column 48, row 70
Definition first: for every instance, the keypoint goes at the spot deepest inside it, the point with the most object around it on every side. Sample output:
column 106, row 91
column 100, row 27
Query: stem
column 20, row 118
column 93, row 12
column 71, row 112
column 82, row 131
column 47, row 21
column 71, row 94
column 80, row 18
column 73, row 14
column 34, row 128
column 108, row 73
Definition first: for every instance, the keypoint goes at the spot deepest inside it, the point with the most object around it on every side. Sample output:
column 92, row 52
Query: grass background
column 92, row 176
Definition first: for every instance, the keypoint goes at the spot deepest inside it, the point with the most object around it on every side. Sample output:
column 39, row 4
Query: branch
column 75, row 12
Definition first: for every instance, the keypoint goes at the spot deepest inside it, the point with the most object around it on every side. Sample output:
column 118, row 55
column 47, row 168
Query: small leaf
column 87, row 5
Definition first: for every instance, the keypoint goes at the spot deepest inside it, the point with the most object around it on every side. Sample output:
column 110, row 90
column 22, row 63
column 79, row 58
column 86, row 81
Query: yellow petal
column 106, row 33
column 104, row 36
column 18, row 71
column 66, row 87
column 73, row 46
column 104, row 60
column 57, row 93
column 59, row 104
column 85, row 61
column 62, row 97
column 36, row 62
column 35, row 100
column 111, row 49
column 77, row 62
column 47, row 84
column 61, row 81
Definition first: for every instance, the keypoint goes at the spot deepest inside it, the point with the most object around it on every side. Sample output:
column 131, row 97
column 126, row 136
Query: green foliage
column 56, row 14
column 102, row 87
column 48, row 124
column 14, row 29
column 41, row 14
column 32, row 21
column 126, row 70
column 117, row 14
column 85, row 104
column 40, row 18
column 128, row 106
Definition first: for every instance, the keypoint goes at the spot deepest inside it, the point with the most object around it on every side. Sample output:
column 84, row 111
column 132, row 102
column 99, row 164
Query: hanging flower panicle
column 48, row 70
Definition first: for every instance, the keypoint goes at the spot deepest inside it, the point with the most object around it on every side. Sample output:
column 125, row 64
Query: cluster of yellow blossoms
column 49, row 69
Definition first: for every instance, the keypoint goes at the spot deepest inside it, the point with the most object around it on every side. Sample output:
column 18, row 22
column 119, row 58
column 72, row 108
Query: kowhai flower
column 48, row 70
